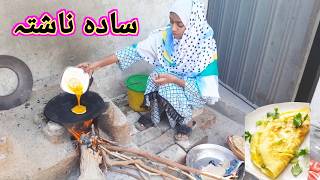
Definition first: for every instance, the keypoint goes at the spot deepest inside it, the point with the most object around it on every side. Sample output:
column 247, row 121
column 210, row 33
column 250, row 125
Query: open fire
column 79, row 129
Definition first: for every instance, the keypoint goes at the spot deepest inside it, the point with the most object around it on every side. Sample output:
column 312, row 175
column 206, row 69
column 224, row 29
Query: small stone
column 54, row 132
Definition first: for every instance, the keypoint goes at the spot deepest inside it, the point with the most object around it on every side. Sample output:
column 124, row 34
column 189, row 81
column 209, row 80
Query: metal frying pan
column 59, row 108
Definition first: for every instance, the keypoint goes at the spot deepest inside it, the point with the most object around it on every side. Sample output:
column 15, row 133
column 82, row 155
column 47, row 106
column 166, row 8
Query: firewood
column 108, row 164
column 163, row 161
column 89, row 165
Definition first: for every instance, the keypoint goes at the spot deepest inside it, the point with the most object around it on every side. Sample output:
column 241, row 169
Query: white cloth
column 208, row 86
column 183, row 9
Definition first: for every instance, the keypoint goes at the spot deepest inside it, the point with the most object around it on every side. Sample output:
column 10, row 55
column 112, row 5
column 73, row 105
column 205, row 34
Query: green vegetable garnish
column 302, row 152
column 297, row 120
column 248, row 136
column 296, row 169
column 258, row 123
column 274, row 115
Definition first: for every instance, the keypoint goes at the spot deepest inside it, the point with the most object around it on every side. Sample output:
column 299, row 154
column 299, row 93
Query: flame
column 87, row 124
column 77, row 132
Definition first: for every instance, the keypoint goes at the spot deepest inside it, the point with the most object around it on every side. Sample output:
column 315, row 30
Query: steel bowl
column 200, row 156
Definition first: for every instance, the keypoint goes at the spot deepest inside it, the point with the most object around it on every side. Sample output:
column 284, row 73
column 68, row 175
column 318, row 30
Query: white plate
column 250, row 125
column 74, row 72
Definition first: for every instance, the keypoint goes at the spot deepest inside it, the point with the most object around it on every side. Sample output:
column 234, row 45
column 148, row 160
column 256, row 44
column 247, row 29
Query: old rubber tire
column 25, row 82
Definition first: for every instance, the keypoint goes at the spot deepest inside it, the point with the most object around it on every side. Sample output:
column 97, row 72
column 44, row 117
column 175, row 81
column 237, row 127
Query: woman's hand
column 87, row 67
column 162, row 79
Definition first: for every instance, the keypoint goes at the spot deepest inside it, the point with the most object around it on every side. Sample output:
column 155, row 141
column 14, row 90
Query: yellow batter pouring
column 77, row 88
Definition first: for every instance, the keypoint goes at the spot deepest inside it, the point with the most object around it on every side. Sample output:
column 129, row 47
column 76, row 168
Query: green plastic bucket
column 136, row 85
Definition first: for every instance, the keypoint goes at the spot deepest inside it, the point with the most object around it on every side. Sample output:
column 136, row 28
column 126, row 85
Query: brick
column 146, row 135
column 174, row 153
column 159, row 144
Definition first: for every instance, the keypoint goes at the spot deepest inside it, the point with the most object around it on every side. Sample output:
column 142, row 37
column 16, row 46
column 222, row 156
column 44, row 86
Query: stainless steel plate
column 201, row 155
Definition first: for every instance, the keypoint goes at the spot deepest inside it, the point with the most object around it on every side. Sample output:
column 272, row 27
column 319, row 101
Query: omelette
column 277, row 140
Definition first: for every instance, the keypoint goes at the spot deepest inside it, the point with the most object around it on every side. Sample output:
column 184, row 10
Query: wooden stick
column 104, row 160
column 140, row 172
column 126, row 158
column 89, row 165
column 101, row 139
column 107, row 162
column 140, row 163
column 182, row 172
column 163, row 161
